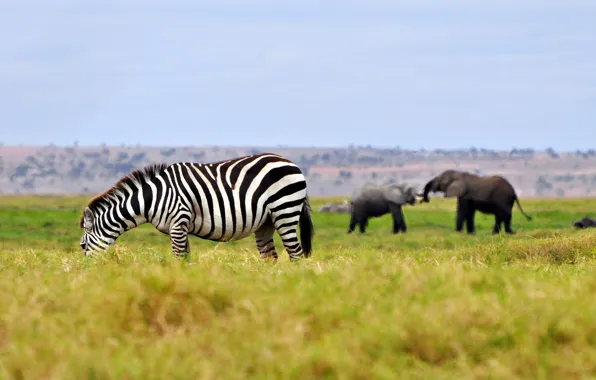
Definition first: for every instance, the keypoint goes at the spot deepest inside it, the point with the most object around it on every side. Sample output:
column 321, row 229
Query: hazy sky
column 416, row 74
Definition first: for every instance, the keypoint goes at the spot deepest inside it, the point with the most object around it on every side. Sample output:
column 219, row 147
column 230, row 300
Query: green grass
column 430, row 304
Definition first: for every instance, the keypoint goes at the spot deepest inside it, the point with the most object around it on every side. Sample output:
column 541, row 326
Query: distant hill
column 329, row 171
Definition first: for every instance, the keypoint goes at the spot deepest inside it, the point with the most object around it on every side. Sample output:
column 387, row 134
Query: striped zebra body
column 223, row 201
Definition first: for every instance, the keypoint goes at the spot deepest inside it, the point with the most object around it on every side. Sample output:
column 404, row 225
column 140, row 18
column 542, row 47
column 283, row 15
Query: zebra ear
column 88, row 217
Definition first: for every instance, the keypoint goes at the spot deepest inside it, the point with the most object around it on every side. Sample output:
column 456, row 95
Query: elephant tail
column 521, row 209
column 307, row 230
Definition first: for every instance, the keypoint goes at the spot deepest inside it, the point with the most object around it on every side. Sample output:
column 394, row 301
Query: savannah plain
column 428, row 304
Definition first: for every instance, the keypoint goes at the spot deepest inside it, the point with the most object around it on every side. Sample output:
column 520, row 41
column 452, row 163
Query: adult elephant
column 487, row 194
column 372, row 200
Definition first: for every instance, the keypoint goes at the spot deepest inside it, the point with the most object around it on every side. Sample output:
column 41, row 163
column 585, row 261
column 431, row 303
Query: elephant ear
column 455, row 189
column 394, row 194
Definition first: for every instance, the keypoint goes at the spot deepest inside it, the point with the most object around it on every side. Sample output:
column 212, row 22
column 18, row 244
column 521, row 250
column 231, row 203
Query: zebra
column 218, row 201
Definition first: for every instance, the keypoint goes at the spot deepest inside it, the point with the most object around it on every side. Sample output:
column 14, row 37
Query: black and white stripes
column 221, row 201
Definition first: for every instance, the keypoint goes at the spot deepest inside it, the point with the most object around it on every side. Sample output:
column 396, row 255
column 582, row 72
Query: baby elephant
column 585, row 223
column 372, row 200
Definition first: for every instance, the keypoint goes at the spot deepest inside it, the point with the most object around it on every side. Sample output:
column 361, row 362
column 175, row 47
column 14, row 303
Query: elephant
column 488, row 194
column 373, row 200
column 585, row 223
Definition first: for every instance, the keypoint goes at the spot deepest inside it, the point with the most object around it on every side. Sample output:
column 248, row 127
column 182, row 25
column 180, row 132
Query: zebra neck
column 125, row 217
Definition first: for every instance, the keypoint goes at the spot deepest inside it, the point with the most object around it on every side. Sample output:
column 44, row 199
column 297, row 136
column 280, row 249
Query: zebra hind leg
column 179, row 237
column 287, row 229
column 265, row 244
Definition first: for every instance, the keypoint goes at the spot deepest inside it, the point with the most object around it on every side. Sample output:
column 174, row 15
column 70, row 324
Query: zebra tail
column 306, row 229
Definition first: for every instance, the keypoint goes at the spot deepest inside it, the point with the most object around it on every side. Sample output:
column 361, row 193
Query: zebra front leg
column 264, row 238
column 179, row 238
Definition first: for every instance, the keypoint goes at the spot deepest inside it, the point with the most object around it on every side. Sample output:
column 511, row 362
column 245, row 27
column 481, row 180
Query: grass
column 428, row 304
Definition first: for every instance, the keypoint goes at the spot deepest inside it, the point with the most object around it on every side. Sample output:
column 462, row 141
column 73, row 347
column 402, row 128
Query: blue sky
column 417, row 74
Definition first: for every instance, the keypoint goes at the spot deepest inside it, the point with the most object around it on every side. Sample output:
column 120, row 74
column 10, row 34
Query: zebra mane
column 137, row 176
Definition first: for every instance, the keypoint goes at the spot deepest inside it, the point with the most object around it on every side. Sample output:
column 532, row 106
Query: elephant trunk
column 427, row 189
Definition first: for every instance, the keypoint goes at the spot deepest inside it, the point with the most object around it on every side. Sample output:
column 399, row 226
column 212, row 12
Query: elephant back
column 490, row 189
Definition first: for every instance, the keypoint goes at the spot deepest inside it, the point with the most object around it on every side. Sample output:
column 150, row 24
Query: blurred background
column 387, row 91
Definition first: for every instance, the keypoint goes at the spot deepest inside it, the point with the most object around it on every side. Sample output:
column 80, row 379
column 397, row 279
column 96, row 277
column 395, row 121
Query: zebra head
column 95, row 237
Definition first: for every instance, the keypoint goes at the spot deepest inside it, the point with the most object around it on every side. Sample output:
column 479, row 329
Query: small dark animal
column 585, row 223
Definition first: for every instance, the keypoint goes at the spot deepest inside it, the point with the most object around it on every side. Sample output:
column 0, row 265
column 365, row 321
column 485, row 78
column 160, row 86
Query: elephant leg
column 353, row 223
column 462, row 210
column 398, row 217
column 507, row 222
column 363, row 222
column 498, row 221
column 403, row 227
column 470, row 221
